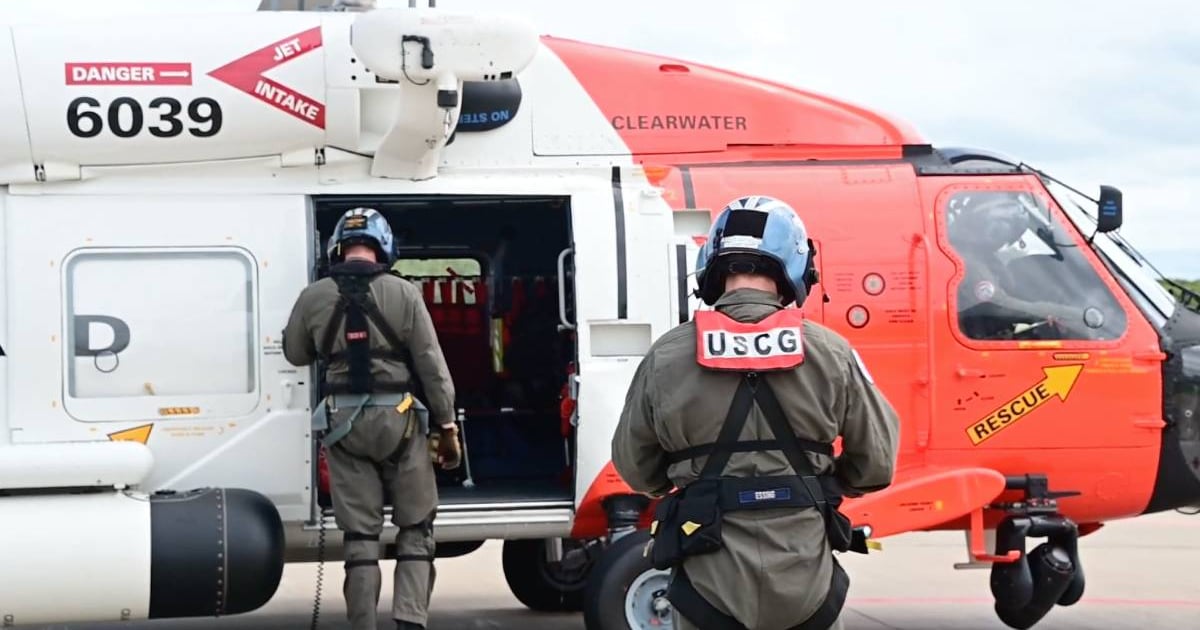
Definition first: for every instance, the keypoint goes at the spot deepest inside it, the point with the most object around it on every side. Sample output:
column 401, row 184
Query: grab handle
column 562, row 290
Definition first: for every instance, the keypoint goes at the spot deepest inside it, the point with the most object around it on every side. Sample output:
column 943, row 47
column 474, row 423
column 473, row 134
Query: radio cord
column 320, row 570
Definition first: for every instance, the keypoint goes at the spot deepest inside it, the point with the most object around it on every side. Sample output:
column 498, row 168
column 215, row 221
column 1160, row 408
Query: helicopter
column 164, row 199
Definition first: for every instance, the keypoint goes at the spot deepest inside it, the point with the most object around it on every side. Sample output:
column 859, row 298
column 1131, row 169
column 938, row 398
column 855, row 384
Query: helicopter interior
column 488, row 268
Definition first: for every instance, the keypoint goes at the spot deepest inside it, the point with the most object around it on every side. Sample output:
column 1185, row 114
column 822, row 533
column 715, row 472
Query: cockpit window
column 1134, row 272
column 1025, row 276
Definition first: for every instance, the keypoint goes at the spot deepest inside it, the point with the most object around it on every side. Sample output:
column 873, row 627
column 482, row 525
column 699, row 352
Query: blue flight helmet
column 757, row 234
column 365, row 226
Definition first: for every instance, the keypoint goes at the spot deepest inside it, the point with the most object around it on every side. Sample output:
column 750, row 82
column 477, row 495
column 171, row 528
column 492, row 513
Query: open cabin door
column 624, row 279
column 158, row 318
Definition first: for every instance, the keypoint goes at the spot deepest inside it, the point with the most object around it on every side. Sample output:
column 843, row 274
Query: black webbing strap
column 735, row 419
column 358, row 349
column 349, row 310
column 681, row 593
column 352, row 564
column 777, row 421
column 325, row 350
column 352, row 536
column 396, row 350
column 399, row 348
column 692, row 606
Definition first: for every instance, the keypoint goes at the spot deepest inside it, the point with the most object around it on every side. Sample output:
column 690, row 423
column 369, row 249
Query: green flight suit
column 384, row 452
column 775, row 568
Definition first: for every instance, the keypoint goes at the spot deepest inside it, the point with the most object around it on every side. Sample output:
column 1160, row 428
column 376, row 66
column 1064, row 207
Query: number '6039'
column 85, row 121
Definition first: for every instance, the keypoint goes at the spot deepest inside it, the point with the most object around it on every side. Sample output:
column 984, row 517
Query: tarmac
column 1141, row 573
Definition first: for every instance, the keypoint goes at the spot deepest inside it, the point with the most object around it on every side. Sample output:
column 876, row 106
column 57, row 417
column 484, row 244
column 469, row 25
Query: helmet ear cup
column 765, row 229
column 811, row 275
column 711, row 284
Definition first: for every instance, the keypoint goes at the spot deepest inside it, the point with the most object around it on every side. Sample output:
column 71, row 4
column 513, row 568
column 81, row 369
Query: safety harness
column 689, row 522
column 357, row 307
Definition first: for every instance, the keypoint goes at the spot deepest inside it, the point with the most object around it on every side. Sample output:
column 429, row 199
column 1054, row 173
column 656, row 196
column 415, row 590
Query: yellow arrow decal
column 1059, row 381
column 136, row 434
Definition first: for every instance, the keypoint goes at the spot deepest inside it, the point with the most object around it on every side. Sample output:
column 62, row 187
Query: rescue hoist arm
column 431, row 53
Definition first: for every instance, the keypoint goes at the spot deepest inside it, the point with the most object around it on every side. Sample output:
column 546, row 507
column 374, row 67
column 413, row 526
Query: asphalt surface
column 1140, row 574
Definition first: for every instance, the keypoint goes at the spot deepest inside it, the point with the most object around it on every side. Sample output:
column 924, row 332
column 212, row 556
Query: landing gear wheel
column 625, row 592
column 543, row 585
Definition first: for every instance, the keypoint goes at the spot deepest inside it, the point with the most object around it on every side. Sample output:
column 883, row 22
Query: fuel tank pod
column 122, row 556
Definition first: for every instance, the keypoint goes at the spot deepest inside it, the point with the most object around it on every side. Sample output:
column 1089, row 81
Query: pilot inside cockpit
column 1016, row 285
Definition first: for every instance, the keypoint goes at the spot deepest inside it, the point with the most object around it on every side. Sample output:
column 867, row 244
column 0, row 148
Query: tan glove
column 444, row 447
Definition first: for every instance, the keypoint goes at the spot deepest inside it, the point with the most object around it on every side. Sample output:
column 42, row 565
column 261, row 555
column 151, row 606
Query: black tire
column 536, row 583
column 619, row 568
column 457, row 549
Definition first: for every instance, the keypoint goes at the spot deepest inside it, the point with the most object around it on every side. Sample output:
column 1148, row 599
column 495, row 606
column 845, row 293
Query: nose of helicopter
column 1178, row 481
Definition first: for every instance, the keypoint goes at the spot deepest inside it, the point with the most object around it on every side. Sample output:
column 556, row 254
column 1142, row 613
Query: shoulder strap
column 777, row 421
column 748, row 446
column 325, row 350
column 377, row 318
column 348, row 294
column 354, row 307
column 398, row 347
column 735, row 419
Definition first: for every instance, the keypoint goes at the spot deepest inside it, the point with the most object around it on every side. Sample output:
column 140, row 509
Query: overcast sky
column 1093, row 92
column 1090, row 91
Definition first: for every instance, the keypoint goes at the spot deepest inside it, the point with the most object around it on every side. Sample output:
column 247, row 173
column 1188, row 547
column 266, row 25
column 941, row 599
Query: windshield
column 1133, row 271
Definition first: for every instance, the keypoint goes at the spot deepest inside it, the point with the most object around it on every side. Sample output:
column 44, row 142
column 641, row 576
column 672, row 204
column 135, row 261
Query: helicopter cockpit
column 1024, row 275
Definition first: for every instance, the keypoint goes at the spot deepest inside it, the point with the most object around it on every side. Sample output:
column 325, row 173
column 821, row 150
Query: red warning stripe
column 246, row 74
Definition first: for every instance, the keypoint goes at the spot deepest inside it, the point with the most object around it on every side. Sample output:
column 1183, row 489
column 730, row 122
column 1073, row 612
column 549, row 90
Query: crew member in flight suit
column 373, row 332
column 753, row 391
column 987, row 308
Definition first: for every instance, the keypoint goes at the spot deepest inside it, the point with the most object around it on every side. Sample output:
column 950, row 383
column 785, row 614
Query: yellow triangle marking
column 136, row 434
column 689, row 527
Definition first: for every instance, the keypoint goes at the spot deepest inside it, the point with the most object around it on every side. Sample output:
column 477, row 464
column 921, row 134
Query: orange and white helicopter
column 167, row 184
